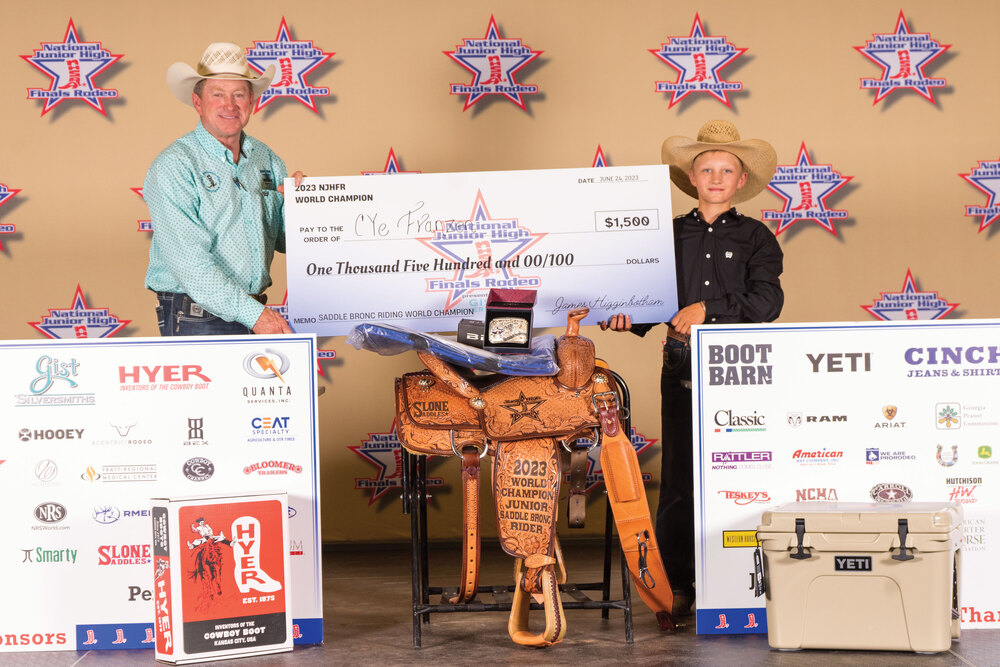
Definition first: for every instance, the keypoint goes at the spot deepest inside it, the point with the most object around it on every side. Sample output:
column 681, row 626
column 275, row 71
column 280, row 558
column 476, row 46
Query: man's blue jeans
column 178, row 315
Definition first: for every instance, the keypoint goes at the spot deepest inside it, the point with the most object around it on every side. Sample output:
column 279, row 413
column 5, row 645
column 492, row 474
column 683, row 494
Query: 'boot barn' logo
column 805, row 187
column 902, row 55
column 493, row 60
column 292, row 60
column 72, row 66
column 698, row 60
column 79, row 321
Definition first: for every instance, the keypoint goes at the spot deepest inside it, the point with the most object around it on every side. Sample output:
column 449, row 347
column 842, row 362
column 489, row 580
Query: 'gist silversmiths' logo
column 493, row 61
column 72, row 66
column 698, row 60
column 804, row 187
column 902, row 55
column 292, row 60
column 54, row 373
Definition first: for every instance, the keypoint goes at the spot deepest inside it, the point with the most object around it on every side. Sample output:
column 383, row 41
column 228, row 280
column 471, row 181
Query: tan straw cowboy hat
column 758, row 157
column 221, row 60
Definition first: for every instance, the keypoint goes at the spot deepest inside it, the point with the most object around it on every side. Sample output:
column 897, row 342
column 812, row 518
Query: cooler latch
column 800, row 532
column 902, row 555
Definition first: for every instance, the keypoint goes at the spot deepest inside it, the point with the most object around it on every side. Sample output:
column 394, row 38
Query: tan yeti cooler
column 836, row 578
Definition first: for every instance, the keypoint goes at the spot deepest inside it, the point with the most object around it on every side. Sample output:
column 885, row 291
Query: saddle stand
column 524, row 422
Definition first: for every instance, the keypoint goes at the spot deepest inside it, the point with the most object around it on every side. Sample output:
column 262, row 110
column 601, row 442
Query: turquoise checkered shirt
column 216, row 224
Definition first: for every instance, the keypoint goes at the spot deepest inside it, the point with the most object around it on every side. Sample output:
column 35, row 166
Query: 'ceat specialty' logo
column 385, row 452
column 292, row 60
column 910, row 304
column 72, row 66
column 79, row 321
column 497, row 244
column 595, row 473
column 493, row 60
column 805, row 187
column 698, row 60
column 985, row 177
column 902, row 55
column 5, row 196
column 391, row 167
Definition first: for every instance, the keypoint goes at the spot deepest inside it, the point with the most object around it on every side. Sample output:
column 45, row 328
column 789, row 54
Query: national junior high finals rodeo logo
column 482, row 253
column 986, row 178
column 79, row 321
column 5, row 196
column 293, row 60
column 72, row 66
column 910, row 304
column 493, row 60
column 902, row 55
column 805, row 187
column 698, row 60
column 385, row 452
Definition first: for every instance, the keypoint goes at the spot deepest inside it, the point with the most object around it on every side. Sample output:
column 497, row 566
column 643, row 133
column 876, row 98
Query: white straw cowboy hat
column 758, row 157
column 221, row 60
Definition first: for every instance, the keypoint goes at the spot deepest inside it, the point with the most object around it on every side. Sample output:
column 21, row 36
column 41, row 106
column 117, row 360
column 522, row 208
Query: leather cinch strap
column 623, row 480
column 470, row 526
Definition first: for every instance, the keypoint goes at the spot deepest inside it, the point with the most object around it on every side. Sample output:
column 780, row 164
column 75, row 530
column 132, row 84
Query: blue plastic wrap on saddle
column 387, row 339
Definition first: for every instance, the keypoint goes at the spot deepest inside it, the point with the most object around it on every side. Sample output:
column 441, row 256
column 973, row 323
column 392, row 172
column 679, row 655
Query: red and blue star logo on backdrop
column 144, row 225
column 322, row 356
column 986, row 178
column 698, row 60
column 493, row 60
column 391, row 167
column 79, row 321
column 805, row 187
column 595, row 473
column 292, row 60
column 599, row 160
column 5, row 196
column 385, row 452
column 72, row 66
column 499, row 240
column 910, row 304
column 902, row 55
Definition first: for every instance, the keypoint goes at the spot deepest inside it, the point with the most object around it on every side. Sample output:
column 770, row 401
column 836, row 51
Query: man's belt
column 191, row 308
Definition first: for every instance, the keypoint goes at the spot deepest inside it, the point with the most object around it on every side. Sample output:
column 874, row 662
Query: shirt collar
column 215, row 148
column 730, row 215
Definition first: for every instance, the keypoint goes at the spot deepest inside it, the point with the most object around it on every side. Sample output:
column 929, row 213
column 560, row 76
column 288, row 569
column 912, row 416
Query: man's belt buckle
column 197, row 311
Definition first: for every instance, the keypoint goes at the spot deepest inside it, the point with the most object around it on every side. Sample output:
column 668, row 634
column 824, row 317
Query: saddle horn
column 575, row 353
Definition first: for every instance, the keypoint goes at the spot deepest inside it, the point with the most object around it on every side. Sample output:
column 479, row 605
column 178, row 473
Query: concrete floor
column 368, row 622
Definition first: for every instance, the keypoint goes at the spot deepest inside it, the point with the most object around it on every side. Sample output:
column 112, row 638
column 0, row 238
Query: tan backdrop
column 76, row 218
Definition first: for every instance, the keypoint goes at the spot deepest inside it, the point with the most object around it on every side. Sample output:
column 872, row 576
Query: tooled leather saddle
column 521, row 421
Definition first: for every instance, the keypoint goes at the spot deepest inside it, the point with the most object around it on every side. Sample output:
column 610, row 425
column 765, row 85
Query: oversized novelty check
column 423, row 250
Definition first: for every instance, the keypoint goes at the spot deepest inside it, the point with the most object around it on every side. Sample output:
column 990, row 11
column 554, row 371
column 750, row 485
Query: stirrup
column 555, row 618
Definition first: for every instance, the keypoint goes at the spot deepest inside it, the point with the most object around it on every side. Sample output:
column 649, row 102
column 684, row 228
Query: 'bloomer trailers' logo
column 698, row 60
column 493, row 60
column 292, row 60
column 72, row 66
column 902, row 55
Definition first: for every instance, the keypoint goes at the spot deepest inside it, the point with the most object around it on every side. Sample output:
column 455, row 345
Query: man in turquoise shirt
column 215, row 198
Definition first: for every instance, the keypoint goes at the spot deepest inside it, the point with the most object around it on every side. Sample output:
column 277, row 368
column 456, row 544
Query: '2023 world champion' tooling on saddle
column 521, row 421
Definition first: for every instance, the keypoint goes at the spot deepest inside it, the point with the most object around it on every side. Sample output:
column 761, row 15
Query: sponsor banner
column 358, row 247
column 886, row 412
column 115, row 421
